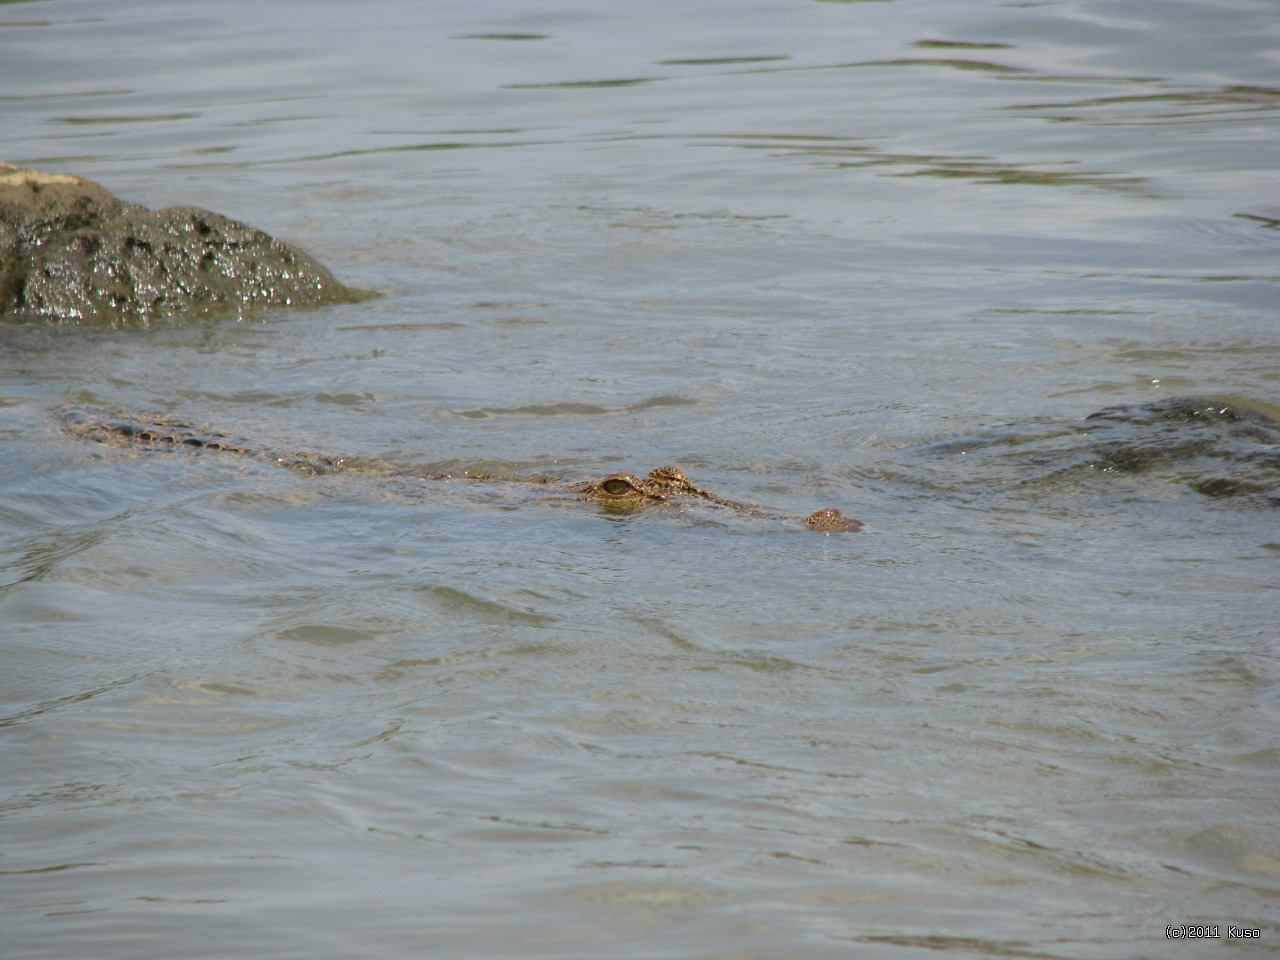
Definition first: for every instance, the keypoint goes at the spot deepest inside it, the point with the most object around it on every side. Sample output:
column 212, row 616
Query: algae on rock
column 71, row 252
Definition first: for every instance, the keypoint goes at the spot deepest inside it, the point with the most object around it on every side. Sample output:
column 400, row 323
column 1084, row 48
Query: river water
column 888, row 257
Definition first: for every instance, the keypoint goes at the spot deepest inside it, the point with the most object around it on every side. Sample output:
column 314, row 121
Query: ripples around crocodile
column 1218, row 447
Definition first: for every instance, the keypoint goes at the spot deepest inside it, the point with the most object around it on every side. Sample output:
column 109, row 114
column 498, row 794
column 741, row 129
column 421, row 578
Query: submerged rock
column 1225, row 448
column 1217, row 447
column 72, row 252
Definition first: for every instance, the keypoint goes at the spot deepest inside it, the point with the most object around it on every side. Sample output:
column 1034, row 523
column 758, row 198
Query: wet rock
column 1224, row 448
column 1219, row 448
column 72, row 252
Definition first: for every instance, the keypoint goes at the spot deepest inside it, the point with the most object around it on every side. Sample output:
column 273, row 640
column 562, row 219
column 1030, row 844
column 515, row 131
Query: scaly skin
column 163, row 431
column 622, row 492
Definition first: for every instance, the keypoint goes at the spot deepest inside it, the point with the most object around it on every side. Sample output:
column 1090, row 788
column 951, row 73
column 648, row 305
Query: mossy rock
column 70, row 252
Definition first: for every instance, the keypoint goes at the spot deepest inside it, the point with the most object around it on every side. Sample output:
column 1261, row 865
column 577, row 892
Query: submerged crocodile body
column 619, row 492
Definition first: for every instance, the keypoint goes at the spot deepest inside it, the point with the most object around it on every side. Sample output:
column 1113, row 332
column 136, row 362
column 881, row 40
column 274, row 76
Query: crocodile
column 617, row 492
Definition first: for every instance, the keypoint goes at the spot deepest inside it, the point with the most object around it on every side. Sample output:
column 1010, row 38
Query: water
column 882, row 256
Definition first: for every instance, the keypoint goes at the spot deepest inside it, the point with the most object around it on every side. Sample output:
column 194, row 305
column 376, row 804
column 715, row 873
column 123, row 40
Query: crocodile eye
column 615, row 487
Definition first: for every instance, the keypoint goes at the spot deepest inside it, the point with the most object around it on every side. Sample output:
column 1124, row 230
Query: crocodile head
column 626, row 493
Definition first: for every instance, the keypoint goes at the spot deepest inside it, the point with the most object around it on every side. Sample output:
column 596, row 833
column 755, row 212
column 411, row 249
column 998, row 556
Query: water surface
column 888, row 257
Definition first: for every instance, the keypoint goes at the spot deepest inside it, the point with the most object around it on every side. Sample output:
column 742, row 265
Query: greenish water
column 888, row 257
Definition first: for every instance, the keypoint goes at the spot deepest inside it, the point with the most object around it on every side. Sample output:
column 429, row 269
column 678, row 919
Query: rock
column 1223, row 447
column 1220, row 447
column 70, row 252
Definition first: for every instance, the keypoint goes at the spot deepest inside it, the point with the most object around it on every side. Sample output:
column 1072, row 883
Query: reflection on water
column 998, row 279
column 830, row 152
column 1227, row 103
